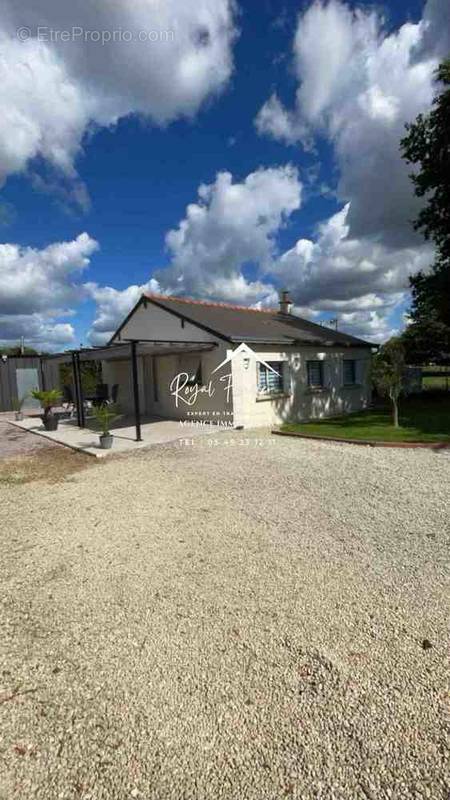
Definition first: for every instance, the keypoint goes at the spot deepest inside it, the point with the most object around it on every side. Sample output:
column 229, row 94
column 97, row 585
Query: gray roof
column 241, row 324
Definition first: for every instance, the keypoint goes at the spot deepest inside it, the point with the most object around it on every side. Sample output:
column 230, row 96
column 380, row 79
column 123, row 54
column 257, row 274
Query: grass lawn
column 436, row 382
column 422, row 419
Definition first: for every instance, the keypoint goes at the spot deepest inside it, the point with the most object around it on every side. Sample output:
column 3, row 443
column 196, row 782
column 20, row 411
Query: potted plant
column 17, row 407
column 48, row 399
column 104, row 415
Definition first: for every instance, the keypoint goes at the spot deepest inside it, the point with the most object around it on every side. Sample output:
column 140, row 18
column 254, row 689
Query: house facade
column 238, row 367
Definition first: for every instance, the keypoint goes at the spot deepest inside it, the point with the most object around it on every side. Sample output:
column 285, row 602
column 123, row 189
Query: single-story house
column 235, row 366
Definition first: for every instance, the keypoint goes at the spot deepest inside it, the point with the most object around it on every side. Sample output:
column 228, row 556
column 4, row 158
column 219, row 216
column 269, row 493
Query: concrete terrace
column 86, row 440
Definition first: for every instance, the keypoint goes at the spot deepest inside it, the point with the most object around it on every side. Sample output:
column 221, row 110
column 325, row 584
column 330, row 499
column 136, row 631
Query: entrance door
column 27, row 380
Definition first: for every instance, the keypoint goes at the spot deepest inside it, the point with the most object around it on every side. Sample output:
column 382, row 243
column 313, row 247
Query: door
column 27, row 380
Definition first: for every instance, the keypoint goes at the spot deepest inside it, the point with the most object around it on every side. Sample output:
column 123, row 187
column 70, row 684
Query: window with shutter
column 349, row 372
column 270, row 381
column 315, row 374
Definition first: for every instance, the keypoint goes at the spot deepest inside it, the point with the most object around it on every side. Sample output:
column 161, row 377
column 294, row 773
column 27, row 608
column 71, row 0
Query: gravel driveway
column 234, row 622
column 15, row 442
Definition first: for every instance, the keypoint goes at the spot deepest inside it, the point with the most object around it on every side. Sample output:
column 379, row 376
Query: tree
column 388, row 370
column 427, row 341
column 427, row 144
column 91, row 375
column 16, row 350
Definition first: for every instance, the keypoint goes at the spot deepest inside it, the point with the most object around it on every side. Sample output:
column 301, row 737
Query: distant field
column 436, row 382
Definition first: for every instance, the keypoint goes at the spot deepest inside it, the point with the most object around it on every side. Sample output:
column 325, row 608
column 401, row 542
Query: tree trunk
column 395, row 413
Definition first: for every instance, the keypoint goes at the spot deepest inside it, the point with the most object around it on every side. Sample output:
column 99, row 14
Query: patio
column 126, row 384
column 86, row 440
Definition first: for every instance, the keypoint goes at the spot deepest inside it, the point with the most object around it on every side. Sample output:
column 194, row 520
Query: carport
column 130, row 351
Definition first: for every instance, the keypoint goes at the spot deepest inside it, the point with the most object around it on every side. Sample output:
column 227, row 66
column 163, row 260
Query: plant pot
column 50, row 422
column 19, row 416
column 106, row 441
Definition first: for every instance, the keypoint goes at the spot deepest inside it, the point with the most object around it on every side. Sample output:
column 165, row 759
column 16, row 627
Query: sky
column 219, row 150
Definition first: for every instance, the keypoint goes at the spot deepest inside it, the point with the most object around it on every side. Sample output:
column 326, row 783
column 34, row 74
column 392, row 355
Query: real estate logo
column 248, row 353
column 189, row 389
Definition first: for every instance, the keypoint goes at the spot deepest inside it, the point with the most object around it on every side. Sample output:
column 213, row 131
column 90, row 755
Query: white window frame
column 278, row 366
column 315, row 386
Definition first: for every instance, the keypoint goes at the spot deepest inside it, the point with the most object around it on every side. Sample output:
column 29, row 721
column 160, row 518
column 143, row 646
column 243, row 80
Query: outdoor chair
column 114, row 394
column 68, row 402
column 101, row 394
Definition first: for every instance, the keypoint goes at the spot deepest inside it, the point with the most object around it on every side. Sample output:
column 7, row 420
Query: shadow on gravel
column 49, row 464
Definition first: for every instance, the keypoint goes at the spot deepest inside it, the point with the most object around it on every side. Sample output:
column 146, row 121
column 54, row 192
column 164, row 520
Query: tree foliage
column 48, row 399
column 388, row 371
column 16, row 350
column 427, row 145
column 91, row 375
column 105, row 415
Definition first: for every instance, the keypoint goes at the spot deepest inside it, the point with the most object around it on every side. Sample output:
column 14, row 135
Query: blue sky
column 136, row 177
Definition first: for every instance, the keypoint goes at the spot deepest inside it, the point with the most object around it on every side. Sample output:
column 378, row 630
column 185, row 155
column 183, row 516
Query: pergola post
column 137, row 407
column 76, row 387
column 80, row 384
column 42, row 374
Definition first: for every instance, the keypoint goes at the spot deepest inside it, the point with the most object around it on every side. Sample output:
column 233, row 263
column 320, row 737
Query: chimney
column 285, row 302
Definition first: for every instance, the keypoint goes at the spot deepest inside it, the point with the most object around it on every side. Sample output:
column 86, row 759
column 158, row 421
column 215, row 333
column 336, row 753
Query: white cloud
column 112, row 307
column 373, row 326
column 38, row 332
column 336, row 270
column 274, row 119
column 230, row 226
column 361, row 280
column 357, row 86
column 51, row 91
column 234, row 224
column 44, row 281
column 39, row 287
column 436, row 33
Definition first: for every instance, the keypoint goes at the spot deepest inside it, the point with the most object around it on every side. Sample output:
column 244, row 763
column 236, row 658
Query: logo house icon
column 247, row 351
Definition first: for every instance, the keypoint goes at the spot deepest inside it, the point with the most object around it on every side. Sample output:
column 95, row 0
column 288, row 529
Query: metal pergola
column 131, row 349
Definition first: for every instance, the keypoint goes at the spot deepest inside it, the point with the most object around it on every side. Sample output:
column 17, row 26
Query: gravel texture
column 252, row 620
column 25, row 457
column 15, row 442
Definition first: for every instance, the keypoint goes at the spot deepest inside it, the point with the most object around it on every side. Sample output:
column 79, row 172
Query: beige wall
column 163, row 370
column 299, row 401
column 120, row 371
column 243, row 406
column 153, row 323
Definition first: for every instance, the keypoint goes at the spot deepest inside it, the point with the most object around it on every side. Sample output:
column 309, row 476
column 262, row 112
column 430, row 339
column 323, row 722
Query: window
column 270, row 377
column 349, row 372
column 315, row 374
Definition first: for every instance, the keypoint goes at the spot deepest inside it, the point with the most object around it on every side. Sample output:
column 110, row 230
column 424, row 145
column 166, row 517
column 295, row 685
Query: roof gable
column 243, row 324
column 231, row 323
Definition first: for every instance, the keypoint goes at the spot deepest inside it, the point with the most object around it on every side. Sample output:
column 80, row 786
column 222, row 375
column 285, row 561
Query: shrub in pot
column 104, row 415
column 48, row 400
